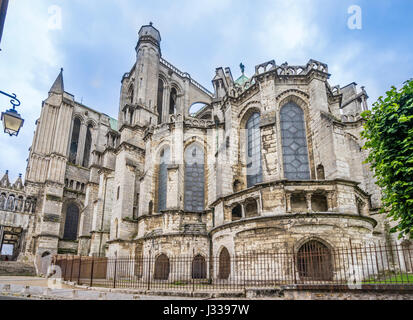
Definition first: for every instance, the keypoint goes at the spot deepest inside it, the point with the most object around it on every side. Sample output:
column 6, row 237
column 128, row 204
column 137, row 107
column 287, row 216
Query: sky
column 94, row 42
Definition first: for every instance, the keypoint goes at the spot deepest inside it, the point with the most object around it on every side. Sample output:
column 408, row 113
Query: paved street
column 48, row 289
column 12, row 298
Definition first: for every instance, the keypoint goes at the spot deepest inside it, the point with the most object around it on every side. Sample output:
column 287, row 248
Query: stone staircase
column 14, row 268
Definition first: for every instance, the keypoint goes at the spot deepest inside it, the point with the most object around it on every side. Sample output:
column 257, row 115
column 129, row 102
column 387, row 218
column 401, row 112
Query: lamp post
column 12, row 121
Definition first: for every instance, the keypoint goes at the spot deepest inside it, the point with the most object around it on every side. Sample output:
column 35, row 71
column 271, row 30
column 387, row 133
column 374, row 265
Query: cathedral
column 264, row 162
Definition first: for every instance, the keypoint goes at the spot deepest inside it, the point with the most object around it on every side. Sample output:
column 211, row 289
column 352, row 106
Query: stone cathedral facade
column 269, row 161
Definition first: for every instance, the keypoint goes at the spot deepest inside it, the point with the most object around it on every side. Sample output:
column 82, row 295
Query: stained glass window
column 194, row 178
column 88, row 146
column 71, row 222
column 254, row 167
column 160, row 99
column 294, row 142
column 75, row 141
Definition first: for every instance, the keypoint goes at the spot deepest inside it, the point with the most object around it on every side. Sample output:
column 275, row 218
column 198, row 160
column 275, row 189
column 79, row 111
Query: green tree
column 389, row 134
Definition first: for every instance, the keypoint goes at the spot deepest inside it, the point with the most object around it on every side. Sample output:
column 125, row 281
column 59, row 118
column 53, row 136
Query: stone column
column 1, row 237
column 308, row 199
column 172, row 196
column 330, row 201
column 259, row 200
column 81, row 144
column 165, row 107
column 288, row 202
column 243, row 210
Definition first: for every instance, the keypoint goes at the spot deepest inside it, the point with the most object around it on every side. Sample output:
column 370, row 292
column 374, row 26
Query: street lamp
column 12, row 121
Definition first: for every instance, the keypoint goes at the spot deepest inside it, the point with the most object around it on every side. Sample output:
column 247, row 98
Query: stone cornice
column 285, row 183
column 128, row 146
column 372, row 221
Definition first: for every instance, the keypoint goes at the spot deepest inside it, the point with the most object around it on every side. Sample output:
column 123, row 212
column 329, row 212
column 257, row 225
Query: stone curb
column 207, row 295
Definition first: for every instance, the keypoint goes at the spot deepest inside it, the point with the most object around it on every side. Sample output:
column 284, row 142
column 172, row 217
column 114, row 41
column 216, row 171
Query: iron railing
column 312, row 264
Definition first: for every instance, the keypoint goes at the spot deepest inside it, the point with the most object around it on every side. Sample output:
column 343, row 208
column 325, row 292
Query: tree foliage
column 389, row 134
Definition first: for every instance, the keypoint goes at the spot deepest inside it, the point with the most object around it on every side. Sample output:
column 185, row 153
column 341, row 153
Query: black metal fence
column 313, row 263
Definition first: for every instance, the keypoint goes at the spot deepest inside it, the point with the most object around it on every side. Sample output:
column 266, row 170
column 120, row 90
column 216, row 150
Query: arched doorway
column 161, row 268
column 224, row 264
column 314, row 261
column 199, row 267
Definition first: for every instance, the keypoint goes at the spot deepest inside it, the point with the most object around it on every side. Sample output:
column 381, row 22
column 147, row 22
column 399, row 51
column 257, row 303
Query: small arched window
column 20, row 203
column 88, row 146
column 150, row 207
column 251, row 208
column 10, row 203
column 161, row 268
column 314, row 261
column 160, row 99
column 254, row 167
column 194, row 179
column 294, row 143
column 172, row 101
column 199, row 270
column 74, row 143
column 71, row 222
column 320, row 172
column 236, row 213
column 130, row 95
column 163, row 178
column 224, row 264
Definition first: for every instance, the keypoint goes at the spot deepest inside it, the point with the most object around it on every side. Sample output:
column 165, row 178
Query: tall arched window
column 294, row 142
column 224, row 264
column 172, row 101
column 161, row 268
column 88, row 146
column 160, row 99
column 199, row 268
column 194, row 179
column 254, row 167
column 74, row 143
column 163, row 178
column 71, row 222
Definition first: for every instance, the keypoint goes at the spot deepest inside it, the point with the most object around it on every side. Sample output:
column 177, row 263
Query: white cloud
column 28, row 63
column 289, row 29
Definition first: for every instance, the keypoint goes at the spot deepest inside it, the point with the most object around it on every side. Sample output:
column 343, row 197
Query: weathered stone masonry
column 104, row 179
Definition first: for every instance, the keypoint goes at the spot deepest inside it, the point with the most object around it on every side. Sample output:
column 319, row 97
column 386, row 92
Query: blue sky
column 95, row 46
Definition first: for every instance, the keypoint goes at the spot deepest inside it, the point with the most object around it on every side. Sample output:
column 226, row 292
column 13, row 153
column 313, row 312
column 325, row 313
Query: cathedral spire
column 58, row 86
column 4, row 182
column 19, row 183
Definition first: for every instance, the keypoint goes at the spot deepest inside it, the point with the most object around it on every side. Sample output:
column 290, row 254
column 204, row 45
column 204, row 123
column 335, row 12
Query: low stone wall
column 13, row 268
column 335, row 292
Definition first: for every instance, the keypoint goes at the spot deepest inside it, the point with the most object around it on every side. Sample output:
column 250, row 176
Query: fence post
column 91, row 272
column 244, row 269
column 65, row 276
column 71, row 270
column 114, row 271
column 80, row 266
column 149, row 272
column 294, row 266
column 192, row 270
column 352, row 263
